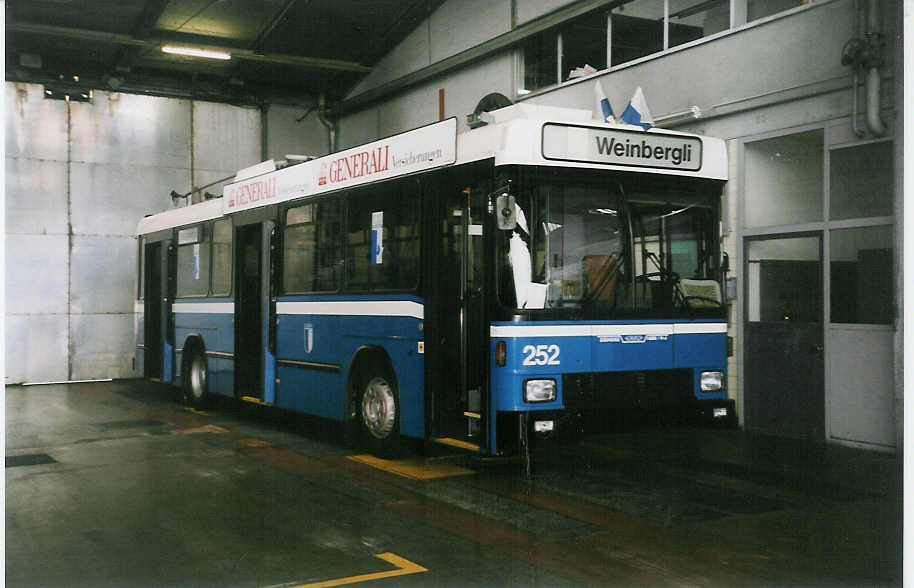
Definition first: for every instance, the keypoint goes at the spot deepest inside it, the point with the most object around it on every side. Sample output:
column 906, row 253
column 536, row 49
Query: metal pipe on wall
column 856, row 86
column 322, row 116
column 873, row 79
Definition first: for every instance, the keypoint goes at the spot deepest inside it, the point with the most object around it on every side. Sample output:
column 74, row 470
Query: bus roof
column 177, row 217
column 521, row 134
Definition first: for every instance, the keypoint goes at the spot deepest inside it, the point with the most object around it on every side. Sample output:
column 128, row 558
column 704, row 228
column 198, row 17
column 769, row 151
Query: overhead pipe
column 322, row 116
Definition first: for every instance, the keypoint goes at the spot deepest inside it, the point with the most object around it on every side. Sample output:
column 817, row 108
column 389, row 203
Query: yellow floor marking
column 404, row 568
column 204, row 429
column 254, row 443
column 416, row 469
column 195, row 411
column 456, row 443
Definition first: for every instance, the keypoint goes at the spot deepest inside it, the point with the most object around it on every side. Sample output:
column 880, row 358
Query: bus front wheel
column 379, row 415
column 195, row 388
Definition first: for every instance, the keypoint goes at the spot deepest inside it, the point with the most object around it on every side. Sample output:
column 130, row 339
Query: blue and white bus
column 471, row 289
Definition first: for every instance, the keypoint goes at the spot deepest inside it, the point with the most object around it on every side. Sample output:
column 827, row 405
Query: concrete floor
column 116, row 484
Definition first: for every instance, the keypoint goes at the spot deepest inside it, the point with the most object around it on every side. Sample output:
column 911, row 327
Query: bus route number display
column 541, row 354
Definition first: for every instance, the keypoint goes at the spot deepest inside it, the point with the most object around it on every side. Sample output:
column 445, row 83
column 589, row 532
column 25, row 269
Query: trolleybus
column 470, row 288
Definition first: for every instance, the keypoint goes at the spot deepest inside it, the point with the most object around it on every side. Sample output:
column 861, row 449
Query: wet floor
column 117, row 484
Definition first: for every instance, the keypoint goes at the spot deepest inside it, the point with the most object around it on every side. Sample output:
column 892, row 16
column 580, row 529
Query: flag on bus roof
column 637, row 112
column 602, row 108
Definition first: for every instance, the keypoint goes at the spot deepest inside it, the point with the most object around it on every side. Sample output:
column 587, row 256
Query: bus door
column 158, row 321
column 462, row 362
column 254, row 365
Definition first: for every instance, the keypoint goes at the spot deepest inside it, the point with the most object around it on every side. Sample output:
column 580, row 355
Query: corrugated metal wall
column 79, row 176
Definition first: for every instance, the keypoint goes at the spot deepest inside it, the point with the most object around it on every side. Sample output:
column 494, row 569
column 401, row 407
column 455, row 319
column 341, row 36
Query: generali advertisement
column 414, row 151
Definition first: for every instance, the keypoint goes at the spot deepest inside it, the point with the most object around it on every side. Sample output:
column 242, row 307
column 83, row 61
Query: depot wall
column 772, row 62
column 79, row 176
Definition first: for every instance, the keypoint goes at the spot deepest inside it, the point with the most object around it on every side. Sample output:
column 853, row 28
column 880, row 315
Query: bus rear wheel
column 379, row 415
column 195, row 387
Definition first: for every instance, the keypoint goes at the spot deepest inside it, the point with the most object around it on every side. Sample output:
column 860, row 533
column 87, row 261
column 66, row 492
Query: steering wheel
column 686, row 299
column 664, row 277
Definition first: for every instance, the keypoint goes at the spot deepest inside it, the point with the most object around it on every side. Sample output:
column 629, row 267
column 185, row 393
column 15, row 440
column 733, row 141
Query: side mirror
column 505, row 211
column 725, row 263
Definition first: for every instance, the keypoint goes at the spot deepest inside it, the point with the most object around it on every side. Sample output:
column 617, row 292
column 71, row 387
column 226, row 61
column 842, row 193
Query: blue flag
column 602, row 109
column 637, row 112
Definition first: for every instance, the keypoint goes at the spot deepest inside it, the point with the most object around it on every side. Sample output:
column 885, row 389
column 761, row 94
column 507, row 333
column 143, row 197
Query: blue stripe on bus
column 657, row 321
column 348, row 297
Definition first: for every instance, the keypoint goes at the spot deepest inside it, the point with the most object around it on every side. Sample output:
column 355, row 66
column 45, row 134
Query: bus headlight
column 539, row 390
column 712, row 381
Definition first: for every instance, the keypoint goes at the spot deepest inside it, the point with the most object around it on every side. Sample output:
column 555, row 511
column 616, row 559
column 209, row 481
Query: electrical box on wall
column 731, row 289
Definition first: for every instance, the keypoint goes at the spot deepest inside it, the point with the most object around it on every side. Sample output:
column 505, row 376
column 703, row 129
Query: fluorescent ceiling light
column 196, row 52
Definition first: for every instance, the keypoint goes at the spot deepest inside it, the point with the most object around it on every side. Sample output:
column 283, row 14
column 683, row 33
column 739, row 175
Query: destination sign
column 620, row 147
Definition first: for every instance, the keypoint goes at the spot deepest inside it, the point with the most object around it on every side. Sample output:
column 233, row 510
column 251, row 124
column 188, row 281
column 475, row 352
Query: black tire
column 378, row 413
column 196, row 382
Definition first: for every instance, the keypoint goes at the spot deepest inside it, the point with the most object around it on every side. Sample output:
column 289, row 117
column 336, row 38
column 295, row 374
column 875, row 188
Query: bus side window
column 222, row 257
column 382, row 242
column 311, row 248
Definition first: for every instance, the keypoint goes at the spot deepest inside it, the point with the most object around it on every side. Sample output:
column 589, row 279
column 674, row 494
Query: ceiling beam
column 502, row 42
column 73, row 33
column 278, row 18
column 177, row 86
column 144, row 24
column 130, row 40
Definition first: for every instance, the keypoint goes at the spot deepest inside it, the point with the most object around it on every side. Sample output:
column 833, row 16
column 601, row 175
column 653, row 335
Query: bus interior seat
column 601, row 273
column 707, row 290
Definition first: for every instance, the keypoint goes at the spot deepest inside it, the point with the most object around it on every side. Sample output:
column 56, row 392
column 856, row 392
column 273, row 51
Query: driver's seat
column 700, row 293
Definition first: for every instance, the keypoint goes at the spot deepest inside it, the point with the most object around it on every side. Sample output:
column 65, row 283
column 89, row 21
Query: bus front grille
column 621, row 396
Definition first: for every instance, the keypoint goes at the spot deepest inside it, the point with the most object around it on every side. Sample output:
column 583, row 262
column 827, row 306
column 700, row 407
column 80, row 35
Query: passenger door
column 462, row 351
column 153, row 315
column 158, row 320
column 249, row 312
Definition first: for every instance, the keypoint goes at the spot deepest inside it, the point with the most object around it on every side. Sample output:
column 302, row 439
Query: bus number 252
column 541, row 354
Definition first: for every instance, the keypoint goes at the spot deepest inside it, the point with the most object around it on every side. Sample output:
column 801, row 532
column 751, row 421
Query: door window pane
column 694, row 19
column 861, row 181
column 193, row 264
column 141, row 267
column 637, row 30
column 784, row 180
column 784, row 280
column 222, row 257
column 862, row 281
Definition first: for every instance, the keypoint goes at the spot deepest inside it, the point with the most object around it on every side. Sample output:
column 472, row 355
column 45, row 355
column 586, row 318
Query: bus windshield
column 623, row 244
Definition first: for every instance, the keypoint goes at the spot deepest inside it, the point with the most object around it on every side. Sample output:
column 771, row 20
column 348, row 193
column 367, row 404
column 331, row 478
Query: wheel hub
column 197, row 378
column 379, row 409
